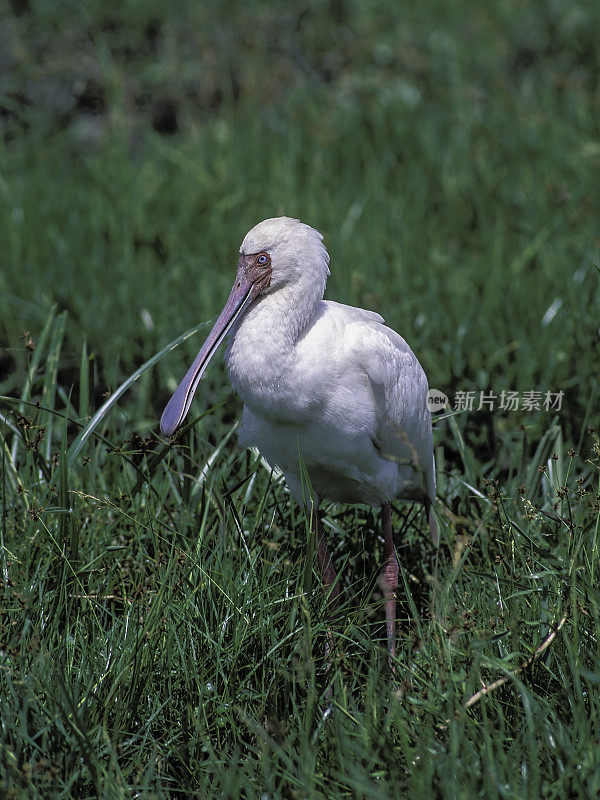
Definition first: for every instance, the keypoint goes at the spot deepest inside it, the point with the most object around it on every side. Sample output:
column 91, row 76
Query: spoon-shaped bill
column 179, row 405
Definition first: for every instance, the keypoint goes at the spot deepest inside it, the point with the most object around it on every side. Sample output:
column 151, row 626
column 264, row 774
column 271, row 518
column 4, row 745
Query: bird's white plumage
column 322, row 383
column 328, row 382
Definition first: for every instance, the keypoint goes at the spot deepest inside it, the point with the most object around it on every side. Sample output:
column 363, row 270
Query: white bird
column 326, row 382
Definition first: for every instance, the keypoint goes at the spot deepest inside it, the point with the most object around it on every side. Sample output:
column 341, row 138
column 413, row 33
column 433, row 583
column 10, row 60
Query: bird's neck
column 263, row 341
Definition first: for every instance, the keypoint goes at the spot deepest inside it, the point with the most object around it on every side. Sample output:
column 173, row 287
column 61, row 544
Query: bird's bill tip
column 168, row 425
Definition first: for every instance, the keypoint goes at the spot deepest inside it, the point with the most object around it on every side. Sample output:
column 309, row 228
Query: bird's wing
column 402, row 420
column 366, row 352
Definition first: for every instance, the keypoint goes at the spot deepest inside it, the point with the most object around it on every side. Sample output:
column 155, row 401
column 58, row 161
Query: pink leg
column 388, row 581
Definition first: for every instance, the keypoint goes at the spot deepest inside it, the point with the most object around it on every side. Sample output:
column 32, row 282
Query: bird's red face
column 253, row 277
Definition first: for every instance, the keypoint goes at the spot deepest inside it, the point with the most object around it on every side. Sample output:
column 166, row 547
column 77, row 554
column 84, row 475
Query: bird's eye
column 263, row 259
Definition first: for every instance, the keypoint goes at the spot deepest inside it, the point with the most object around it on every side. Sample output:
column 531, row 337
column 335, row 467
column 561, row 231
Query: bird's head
column 275, row 253
column 295, row 252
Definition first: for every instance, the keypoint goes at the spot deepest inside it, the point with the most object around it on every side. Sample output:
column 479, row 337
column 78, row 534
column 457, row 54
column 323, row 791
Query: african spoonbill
column 325, row 380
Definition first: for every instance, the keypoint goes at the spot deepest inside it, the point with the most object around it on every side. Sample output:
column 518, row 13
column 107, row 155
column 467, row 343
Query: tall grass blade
column 98, row 417
column 84, row 383
column 466, row 453
column 32, row 370
column 69, row 533
column 10, row 471
column 50, row 380
column 541, row 454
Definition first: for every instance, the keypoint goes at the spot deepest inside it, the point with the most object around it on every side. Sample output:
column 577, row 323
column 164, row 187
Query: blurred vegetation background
column 450, row 154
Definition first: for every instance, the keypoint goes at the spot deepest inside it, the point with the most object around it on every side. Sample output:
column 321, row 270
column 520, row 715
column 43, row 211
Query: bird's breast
column 276, row 378
column 278, row 398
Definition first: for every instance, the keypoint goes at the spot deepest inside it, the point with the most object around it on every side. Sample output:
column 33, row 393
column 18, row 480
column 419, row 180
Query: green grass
column 162, row 630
